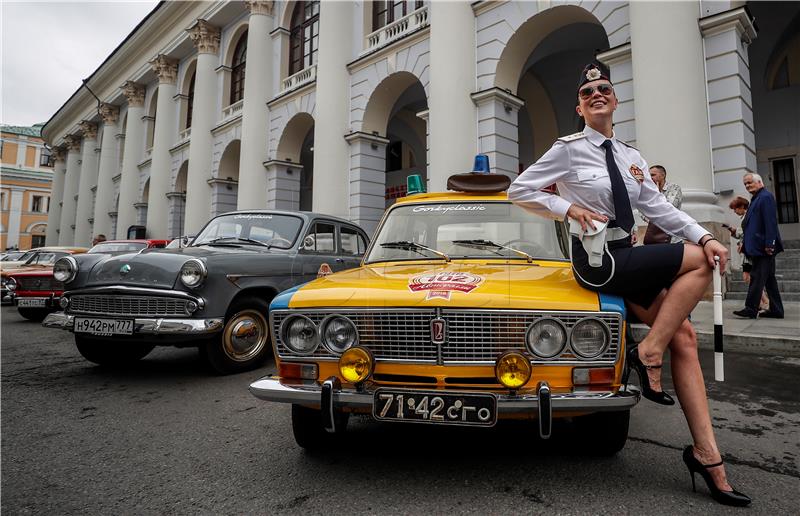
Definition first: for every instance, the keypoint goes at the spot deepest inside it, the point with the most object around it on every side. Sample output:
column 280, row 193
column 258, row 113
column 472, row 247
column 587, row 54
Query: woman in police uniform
column 600, row 180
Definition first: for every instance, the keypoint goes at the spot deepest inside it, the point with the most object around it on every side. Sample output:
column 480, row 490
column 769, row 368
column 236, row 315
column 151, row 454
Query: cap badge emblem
column 593, row 74
column 125, row 269
column 637, row 173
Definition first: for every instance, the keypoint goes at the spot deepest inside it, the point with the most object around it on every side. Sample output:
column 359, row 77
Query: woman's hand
column 584, row 216
column 712, row 247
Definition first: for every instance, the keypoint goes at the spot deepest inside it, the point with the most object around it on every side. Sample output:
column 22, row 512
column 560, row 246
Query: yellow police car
column 463, row 312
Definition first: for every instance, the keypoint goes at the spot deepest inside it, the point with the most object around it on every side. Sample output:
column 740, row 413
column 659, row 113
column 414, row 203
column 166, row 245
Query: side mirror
column 309, row 242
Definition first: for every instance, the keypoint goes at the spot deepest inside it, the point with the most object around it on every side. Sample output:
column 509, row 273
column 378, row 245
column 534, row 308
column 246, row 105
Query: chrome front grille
column 133, row 306
column 42, row 283
column 472, row 336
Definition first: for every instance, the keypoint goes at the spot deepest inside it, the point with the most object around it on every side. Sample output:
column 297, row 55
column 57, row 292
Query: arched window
column 385, row 12
column 190, row 101
column 304, row 36
column 237, row 69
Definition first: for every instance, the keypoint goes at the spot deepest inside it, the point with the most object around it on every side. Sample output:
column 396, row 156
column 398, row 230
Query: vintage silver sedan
column 213, row 294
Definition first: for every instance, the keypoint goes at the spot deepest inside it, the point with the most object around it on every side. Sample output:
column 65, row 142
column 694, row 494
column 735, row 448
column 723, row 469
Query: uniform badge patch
column 637, row 173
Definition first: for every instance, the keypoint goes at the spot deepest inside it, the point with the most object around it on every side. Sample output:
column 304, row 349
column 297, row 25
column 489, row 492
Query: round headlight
column 11, row 284
column 193, row 272
column 513, row 370
column 299, row 333
column 546, row 338
column 65, row 269
column 355, row 364
column 589, row 338
column 338, row 334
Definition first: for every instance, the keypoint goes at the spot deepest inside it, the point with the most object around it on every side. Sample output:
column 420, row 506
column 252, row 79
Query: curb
column 738, row 343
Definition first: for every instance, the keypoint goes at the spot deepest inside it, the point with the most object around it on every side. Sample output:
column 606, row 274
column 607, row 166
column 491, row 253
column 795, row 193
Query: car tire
column 33, row 314
column 309, row 432
column 244, row 341
column 604, row 433
column 109, row 353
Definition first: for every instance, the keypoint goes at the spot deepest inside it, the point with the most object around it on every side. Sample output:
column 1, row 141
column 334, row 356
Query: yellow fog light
column 356, row 364
column 513, row 370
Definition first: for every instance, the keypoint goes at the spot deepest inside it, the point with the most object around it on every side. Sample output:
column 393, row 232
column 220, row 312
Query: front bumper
column 150, row 326
column 330, row 397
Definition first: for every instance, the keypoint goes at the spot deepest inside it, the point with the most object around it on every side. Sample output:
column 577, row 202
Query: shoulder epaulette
column 628, row 145
column 572, row 137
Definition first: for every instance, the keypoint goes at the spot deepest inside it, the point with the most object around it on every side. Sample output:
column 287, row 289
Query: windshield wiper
column 413, row 246
column 483, row 244
column 219, row 241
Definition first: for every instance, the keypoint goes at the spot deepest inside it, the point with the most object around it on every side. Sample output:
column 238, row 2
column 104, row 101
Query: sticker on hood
column 442, row 284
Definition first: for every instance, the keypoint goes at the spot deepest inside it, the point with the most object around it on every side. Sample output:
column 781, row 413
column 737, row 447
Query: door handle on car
column 340, row 260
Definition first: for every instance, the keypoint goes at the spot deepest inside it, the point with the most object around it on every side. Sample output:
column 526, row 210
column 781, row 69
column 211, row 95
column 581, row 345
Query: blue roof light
column 481, row 164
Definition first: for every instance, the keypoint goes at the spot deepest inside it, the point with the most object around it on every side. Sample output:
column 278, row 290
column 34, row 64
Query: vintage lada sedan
column 464, row 312
column 212, row 294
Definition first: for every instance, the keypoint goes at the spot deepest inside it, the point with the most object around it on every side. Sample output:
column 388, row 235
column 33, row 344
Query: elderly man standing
column 761, row 243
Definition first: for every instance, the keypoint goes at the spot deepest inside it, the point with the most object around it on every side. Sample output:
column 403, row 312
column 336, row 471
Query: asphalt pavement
column 168, row 436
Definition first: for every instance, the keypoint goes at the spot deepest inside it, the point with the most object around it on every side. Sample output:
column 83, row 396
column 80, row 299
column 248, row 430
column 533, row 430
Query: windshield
column 45, row 258
column 273, row 230
column 27, row 256
column 118, row 247
column 13, row 256
column 472, row 229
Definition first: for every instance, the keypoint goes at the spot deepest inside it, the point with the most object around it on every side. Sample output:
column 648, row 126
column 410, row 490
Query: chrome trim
column 545, row 410
column 73, row 264
column 109, row 289
column 150, row 326
column 283, row 327
column 529, row 346
column 308, row 393
column 329, row 387
column 605, row 346
column 320, row 333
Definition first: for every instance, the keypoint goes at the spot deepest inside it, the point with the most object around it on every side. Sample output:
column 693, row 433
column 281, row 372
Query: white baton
column 719, row 363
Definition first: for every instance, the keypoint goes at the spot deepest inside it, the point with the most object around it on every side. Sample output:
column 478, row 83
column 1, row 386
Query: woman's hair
column 739, row 202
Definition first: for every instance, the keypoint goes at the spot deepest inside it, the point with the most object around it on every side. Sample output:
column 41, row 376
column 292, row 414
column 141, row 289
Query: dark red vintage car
column 36, row 293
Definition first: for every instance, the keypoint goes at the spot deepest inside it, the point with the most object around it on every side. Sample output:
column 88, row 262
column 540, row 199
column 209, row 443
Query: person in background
column 99, row 238
column 760, row 243
column 739, row 206
column 674, row 195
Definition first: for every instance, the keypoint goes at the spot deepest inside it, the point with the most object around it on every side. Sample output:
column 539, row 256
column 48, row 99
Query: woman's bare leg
column 690, row 389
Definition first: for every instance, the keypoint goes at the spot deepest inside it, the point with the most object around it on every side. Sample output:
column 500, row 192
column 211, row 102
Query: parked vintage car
column 464, row 312
column 213, row 294
column 41, row 258
column 36, row 293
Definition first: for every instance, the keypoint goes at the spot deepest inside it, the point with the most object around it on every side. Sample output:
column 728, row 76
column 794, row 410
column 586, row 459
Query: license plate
column 97, row 326
column 32, row 301
column 453, row 408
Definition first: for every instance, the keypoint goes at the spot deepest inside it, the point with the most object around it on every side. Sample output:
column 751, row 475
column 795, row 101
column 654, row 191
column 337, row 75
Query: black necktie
column 622, row 204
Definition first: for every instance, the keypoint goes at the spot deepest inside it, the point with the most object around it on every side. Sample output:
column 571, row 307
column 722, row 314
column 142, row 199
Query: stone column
column 104, row 200
column 177, row 211
column 88, row 179
column 56, row 195
column 618, row 61
column 498, row 118
column 283, row 185
column 134, row 146
column 198, row 194
column 367, row 179
column 453, row 135
column 14, row 215
column 257, row 82
column 672, row 126
column 66, row 226
column 164, row 135
column 331, row 151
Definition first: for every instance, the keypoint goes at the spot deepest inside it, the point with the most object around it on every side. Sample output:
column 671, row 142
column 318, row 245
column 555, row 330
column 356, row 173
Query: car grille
column 135, row 306
column 473, row 336
column 40, row 283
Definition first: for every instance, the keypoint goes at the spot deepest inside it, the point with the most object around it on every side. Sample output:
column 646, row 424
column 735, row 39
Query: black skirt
column 637, row 274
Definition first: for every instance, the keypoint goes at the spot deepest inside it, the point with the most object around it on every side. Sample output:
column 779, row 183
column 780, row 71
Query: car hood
column 24, row 268
column 473, row 284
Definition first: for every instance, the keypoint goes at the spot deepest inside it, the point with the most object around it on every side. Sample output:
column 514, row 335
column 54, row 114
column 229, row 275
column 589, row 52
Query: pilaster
column 163, row 138
column 134, row 144
column 66, row 232
column 367, row 179
column 498, row 118
column 88, row 179
column 56, row 195
column 283, row 185
column 109, row 163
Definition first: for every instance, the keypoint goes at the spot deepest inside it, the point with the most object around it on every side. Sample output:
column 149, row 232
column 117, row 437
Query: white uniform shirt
column 577, row 165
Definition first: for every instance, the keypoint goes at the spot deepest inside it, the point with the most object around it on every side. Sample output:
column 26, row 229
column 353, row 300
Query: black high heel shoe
column 648, row 392
column 732, row 497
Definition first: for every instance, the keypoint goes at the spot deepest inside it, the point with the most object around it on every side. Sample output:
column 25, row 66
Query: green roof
column 27, row 175
column 35, row 130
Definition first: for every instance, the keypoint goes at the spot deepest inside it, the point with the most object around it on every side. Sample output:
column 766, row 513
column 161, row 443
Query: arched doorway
column 224, row 188
column 177, row 202
column 290, row 180
column 141, row 206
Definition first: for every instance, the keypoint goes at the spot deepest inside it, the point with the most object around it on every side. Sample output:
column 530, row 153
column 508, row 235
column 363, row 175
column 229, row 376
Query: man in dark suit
column 761, row 243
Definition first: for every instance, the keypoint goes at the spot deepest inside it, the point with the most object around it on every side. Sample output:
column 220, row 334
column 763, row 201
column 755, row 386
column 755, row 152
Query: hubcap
column 245, row 335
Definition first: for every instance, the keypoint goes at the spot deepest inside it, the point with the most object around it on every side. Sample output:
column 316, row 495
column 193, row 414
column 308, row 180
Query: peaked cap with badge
column 592, row 72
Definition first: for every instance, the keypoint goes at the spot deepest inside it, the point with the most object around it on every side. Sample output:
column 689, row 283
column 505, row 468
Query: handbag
column 656, row 235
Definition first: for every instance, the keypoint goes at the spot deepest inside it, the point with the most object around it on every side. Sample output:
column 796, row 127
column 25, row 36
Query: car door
column 318, row 251
column 352, row 245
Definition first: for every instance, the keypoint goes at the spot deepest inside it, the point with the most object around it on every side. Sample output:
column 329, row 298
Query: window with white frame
column 303, row 36
column 38, row 204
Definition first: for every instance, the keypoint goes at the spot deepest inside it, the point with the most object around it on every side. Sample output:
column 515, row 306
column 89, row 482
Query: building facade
column 212, row 106
column 26, row 174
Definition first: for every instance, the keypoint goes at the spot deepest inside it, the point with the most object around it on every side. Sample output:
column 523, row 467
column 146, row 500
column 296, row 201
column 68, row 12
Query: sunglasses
column 604, row 89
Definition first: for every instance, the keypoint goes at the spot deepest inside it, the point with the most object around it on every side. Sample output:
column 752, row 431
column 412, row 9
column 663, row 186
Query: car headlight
column 355, row 364
column 193, row 272
column 65, row 269
column 546, row 338
column 338, row 334
column 589, row 338
column 299, row 333
column 11, row 284
column 513, row 370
